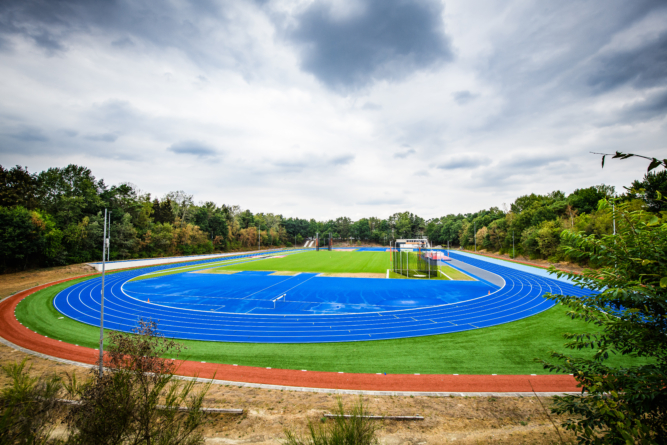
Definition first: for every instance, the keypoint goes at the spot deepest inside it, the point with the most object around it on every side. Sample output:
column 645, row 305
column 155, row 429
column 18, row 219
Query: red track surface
column 13, row 331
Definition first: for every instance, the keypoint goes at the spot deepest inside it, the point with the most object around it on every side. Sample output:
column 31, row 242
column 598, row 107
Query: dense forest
column 55, row 217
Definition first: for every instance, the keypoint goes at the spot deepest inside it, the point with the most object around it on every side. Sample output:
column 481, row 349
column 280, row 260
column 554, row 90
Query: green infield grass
column 505, row 349
column 322, row 261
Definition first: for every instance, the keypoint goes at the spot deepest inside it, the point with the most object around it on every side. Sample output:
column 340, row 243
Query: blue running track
column 242, row 307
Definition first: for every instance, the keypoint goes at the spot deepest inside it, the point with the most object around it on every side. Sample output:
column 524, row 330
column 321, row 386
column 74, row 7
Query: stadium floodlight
column 104, row 247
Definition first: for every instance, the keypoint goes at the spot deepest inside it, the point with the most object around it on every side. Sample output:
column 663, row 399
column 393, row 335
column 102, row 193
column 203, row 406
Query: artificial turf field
column 505, row 349
column 334, row 262
column 323, row 261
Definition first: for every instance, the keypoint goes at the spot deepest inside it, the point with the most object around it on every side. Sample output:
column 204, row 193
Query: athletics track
column 241, row 307
column 14, row 332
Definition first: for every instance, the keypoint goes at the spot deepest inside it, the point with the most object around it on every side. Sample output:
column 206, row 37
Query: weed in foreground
column 353, row 429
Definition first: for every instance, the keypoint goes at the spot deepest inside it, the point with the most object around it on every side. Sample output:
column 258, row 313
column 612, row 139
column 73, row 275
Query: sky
column 320, row 109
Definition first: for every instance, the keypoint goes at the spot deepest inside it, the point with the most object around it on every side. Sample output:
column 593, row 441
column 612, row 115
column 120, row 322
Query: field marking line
column 261, row 290
column 452, row 279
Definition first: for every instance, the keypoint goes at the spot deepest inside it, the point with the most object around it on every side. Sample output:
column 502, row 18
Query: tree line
column 55, row 217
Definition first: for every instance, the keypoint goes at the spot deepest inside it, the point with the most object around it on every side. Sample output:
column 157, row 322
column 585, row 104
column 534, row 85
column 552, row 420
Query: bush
column 288, row 244
column 28, row 406
column 629, row 404
column 136, row 401
column 353, row 430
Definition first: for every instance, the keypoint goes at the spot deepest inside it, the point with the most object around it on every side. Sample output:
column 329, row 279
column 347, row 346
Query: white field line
column 446, row 275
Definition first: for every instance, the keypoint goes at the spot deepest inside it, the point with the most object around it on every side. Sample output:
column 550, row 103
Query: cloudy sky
column 328, row 108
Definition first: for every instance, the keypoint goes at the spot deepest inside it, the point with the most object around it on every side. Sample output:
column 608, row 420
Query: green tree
column 123, row 237
column 586, row 200
column 23, row 239
column 628, row 306
column 246, row 219
column 650, row 190
column 69, row 193
column 18, row 188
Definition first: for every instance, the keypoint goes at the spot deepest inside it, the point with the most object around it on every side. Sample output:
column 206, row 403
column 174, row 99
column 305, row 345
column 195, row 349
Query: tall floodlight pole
column 513, row 256
column 109, row 240
column 104, row 246
column 259, row 237
column 475, row 234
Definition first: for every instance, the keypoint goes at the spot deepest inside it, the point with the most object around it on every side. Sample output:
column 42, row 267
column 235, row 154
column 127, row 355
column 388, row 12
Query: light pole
column 513, row 255
column 109, row 239
column 104, row 247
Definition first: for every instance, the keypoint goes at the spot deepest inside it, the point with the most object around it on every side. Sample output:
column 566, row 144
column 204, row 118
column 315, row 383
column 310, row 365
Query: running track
column 14, row 332
column 520, row 297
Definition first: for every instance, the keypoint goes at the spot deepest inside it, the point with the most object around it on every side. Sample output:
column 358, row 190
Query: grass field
column 506, row 349
column 323, row 261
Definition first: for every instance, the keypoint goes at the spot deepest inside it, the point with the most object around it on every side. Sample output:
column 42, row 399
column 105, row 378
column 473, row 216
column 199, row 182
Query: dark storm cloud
column 193, row 148
column 386, row 39
column 171, row 25
column 570, row 52
column 642, row 67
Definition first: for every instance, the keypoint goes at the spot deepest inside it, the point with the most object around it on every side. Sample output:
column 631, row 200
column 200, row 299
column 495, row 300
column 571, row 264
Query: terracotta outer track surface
column 13, row 331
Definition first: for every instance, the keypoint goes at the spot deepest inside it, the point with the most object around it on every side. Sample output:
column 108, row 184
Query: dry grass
column 12, row 283
column 474, row 420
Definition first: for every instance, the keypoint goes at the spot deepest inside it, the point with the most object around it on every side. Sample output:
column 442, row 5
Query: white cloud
column 216, row 102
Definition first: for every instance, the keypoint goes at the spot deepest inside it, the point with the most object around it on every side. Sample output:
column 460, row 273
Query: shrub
column 28, row 406
column 136, row 401
column 626, row 404
column 353, row 430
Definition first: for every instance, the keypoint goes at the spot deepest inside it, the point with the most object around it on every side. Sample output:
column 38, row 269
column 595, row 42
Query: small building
column 412, row 244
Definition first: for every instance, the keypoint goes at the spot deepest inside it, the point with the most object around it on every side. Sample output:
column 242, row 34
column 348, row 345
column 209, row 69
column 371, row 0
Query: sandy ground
column 355, row 275
column 570, row 267
column 15, row 282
